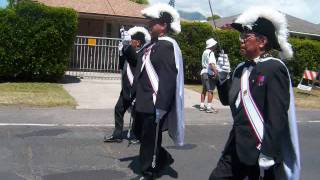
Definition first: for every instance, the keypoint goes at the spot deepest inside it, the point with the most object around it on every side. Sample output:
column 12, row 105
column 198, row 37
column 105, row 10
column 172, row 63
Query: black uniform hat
column 261, row 26
column 268, row 22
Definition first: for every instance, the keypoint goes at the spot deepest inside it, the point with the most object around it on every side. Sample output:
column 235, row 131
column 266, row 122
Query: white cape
column 290, row 148
column 175, row 119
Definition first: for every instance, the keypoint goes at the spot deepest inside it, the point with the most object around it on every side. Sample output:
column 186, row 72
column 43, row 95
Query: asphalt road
column 61, row 150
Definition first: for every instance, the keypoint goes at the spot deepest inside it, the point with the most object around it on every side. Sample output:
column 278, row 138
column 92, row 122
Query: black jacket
column 129, row 56
column 272, row 98
column 163, row 61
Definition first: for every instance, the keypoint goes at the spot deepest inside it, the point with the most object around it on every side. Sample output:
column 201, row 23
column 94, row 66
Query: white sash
column 129, row 71
column 153, row 76
column 252, row 111
column 129, row 74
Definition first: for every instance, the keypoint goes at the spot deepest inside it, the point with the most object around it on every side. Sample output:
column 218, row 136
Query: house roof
column 103, row 7
column 300, row 25
column 294, row 24
column 224, row 20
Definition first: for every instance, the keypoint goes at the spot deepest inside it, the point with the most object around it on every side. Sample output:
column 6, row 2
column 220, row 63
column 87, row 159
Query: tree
column 214, row 17
column 11, row 3
column 172, row 3
column 140, row 1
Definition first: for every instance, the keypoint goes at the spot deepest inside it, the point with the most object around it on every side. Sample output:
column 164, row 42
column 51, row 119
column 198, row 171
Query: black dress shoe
column 148, row 175
column 134, row 141
column 143, row 177
column 112, row 139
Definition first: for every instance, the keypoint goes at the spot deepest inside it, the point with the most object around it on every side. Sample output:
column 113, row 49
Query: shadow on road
column 197, row 106
column 135, row 167
column 184, row 147
column 67, row 79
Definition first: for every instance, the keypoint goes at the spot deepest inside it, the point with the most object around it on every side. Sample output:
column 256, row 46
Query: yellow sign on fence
column 92, row 41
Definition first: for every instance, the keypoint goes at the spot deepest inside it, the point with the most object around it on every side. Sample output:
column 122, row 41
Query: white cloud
column 304, row 9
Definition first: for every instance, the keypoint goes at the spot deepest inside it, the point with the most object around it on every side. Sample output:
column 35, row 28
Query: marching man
column 138, row 37
column 159, row 90
column 263, row 143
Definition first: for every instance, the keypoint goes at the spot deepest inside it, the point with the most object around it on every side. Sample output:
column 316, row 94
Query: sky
column 304, row 9
column 3, row 3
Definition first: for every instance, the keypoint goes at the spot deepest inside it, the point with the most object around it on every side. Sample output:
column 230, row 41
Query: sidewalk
column 103, row 94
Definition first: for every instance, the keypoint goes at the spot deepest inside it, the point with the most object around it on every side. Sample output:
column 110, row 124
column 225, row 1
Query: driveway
column 103, row 94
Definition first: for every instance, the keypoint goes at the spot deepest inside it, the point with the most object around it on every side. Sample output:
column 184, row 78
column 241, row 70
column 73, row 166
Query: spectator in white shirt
column 209, row 75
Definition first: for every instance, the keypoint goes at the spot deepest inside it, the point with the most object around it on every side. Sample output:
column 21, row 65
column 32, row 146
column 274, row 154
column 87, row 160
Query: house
column 297, row 27
column 102, row 18
column 95, row 51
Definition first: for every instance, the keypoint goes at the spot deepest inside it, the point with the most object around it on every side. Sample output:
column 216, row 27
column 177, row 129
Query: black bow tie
column 249, row 63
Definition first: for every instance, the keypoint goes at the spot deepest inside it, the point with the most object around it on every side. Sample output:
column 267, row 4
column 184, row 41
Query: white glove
column 265, row 162
column 159, row 115
column 127, row 36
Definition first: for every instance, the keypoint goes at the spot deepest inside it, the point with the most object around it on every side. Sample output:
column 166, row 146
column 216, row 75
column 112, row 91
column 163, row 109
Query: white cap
column 210, row 43
column 156, row 10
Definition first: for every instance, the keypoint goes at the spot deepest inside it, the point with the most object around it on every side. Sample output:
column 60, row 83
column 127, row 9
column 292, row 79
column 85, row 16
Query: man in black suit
column 127, row 63
column 263, row 140
column 156, row 87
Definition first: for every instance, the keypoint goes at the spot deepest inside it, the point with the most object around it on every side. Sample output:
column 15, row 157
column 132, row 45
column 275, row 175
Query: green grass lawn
column 198, row 88
column 302, row 99
column 35, row 94
column 307, row 100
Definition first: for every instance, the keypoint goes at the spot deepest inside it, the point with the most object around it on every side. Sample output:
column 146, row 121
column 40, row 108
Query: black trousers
column 145, row 131
column 229, row 167
column 119, row 111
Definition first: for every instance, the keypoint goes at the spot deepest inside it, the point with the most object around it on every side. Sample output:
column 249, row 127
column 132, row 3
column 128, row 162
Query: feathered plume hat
column 268, row 22
column 164, row 13
column 139, row 33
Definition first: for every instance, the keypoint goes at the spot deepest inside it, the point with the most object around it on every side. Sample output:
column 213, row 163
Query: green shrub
column 192, row 43
column 306, row 55
column 36, row 41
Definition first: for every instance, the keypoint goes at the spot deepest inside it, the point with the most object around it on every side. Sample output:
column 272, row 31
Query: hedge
column 36, row 41
column 192, row 42
column 306, row 55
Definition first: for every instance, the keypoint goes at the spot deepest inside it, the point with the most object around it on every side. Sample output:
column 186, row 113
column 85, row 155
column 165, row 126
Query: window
column 109, row 30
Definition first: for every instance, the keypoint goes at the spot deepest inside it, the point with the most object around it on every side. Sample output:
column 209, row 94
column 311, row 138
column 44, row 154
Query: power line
column 114, row 12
